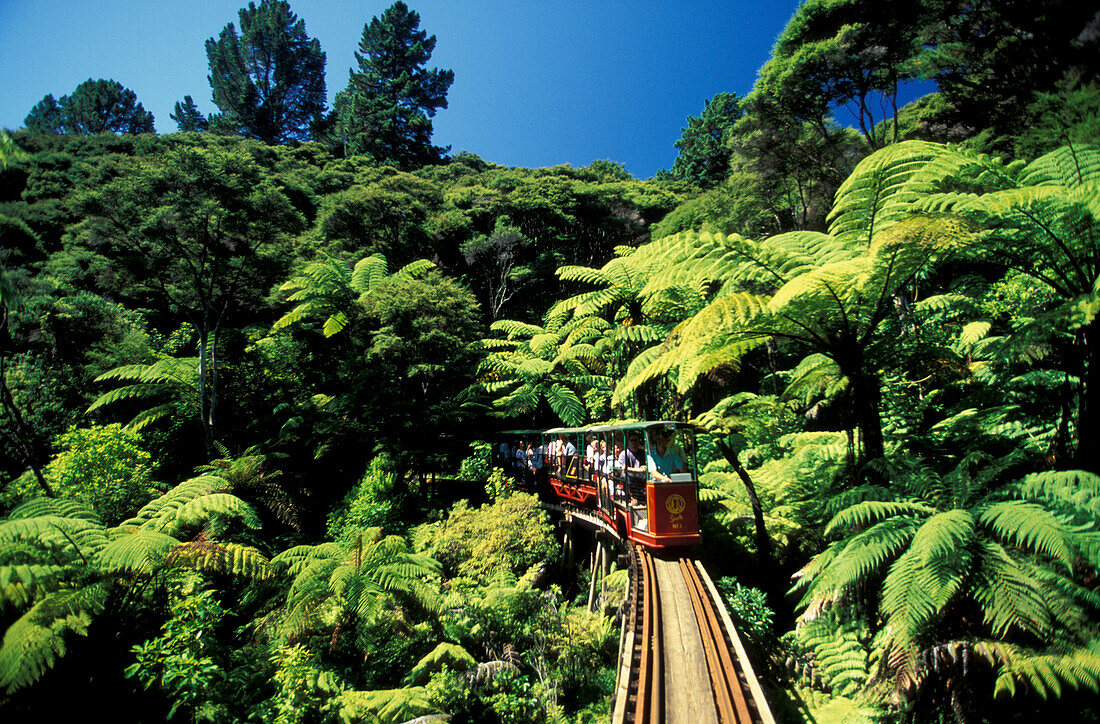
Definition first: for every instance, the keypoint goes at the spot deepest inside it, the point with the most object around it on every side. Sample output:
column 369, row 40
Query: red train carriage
column 639, row 477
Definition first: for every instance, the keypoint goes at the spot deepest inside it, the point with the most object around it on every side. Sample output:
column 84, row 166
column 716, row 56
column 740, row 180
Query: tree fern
column 961, row 549
column 387, row 705
column 1049, row 674
column 34, row 641
column 548, row 367
column 173, row 378
column 322, row 289
column 135, row 552
column 359, row 581
column 58, row 560
column 443, row 655
column 328, row 289
column 839, row 656
column 223, row 558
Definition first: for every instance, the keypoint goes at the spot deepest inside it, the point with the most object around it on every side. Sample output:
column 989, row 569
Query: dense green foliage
column 214, row 294
column 888, row 332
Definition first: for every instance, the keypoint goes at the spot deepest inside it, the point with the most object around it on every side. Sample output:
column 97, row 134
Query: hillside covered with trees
column 240, row 362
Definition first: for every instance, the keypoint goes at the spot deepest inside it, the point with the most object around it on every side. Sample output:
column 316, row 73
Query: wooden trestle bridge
column 680, row 657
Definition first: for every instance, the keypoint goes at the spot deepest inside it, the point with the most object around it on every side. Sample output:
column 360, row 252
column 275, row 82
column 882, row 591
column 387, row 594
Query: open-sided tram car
column 639, row 477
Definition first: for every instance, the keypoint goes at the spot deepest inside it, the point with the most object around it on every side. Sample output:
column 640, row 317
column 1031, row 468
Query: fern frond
column 872, row 511
column 875, row 194
column 583, row 274
column 34, row 641
column 198, row 511
column 368, row 272
column 1029, row 526
column 1067, row 166
column 22, row 583
column 1048, row 674
column 58, row 507
column 445, row 654
column 861, row 558
column 415, row 269
column 565, row 404
column 1010, row 599
column 388, row 705
column 139, row 552
column 334, row 324
column 224, row 558
column 84, row 536
column 514, row 329
column 1068, row 490
column 163, row 509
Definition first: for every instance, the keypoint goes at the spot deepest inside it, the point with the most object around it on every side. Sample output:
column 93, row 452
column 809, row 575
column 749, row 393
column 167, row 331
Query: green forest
column 246, row 367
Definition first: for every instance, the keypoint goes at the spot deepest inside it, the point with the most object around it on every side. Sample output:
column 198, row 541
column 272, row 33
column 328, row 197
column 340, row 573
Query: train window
column 632, row 462
column 666, row 455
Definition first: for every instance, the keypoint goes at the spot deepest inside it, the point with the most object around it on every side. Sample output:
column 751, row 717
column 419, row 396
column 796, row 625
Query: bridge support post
column 605, row 568
column 597, row 568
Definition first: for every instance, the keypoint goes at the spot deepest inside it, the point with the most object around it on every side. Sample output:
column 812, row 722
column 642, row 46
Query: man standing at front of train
column 663, row 459
column 630, row 461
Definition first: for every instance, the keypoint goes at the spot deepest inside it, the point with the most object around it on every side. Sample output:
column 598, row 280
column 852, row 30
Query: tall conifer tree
column 268, row 80
column 386, row 110
column 188, row 117
column 704, row 152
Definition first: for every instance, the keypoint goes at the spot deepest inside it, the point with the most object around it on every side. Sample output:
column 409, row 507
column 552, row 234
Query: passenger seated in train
column 534, row 458
column 591, row 456
column 634, row 468
column 617, row 470
column 591, row 447
column 664, row 457
column 561, row 451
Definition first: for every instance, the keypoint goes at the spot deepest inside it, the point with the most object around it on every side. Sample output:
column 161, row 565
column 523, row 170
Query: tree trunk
column 1087, row 456
column 22, row 433
column 202, row 391
column 213, row 380
column 763, row 542
column 866, row 400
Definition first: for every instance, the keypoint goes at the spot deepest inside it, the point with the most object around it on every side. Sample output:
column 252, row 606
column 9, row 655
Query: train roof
column 616, row 426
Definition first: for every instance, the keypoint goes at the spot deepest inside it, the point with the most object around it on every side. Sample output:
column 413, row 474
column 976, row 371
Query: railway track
column 682, row 660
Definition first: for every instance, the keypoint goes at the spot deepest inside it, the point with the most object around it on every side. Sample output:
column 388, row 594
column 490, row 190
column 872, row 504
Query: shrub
column 104, row 466
column 512, row 534
column 368, row 505
column 749, row 605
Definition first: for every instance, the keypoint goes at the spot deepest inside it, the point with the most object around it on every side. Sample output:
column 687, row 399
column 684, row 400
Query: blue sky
column 537, row 83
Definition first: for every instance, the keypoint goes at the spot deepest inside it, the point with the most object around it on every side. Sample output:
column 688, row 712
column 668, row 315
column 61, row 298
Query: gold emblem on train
column 675, row 504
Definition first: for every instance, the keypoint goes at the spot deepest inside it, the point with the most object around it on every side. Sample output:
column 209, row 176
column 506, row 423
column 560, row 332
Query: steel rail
column 724, row 673
column 649, row 705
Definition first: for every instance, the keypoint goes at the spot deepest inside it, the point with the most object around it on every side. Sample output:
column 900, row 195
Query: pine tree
column 704, row 154
column 95, row 106
column 269, row 80
column 188, row 117
column 386, row 110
